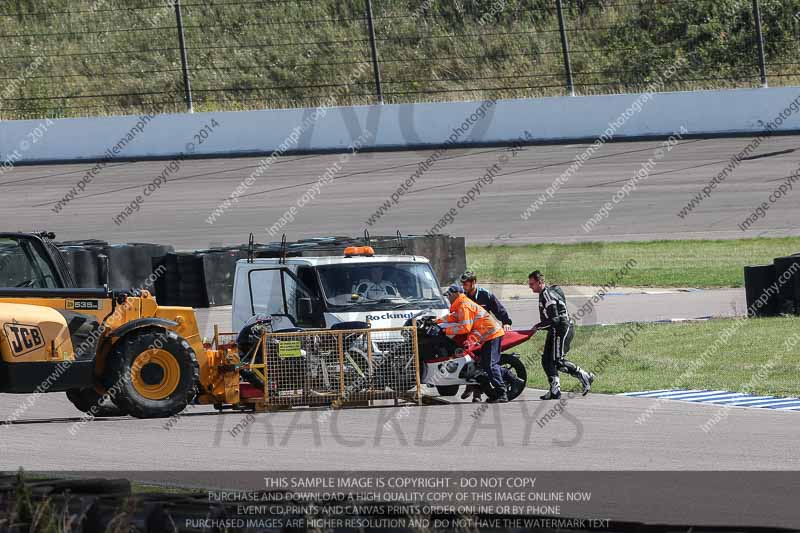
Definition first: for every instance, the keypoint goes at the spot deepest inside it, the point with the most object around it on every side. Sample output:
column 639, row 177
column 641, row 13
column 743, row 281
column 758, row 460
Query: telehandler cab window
column 22, row 266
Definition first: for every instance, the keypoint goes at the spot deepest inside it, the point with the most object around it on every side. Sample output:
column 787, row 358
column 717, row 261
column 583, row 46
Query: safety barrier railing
column 111, row 57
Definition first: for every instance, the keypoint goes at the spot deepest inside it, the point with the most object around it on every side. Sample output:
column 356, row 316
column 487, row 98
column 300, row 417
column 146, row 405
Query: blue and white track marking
column 721, row 397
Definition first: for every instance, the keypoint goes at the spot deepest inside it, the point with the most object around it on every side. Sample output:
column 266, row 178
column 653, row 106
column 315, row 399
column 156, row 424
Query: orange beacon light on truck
column 352, row 251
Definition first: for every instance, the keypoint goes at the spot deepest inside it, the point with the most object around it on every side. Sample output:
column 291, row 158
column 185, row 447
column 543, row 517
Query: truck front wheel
column 152, row 373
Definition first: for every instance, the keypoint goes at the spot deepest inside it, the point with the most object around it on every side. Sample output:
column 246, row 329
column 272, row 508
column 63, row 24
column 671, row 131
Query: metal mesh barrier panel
column 335, row 367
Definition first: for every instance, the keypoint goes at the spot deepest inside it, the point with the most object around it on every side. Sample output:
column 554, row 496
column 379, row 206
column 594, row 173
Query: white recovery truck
column 357, row 287
column 318, row 292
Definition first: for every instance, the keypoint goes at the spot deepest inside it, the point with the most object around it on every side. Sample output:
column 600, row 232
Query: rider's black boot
column 555, row 389
column 587, row 378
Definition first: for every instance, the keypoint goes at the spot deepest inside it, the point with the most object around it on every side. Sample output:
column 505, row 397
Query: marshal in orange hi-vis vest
column 468, row 318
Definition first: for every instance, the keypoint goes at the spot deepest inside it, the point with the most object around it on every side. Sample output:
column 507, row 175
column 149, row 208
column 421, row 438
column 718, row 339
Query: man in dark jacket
column 484, row 298
column 490, row 303
column 555, row 319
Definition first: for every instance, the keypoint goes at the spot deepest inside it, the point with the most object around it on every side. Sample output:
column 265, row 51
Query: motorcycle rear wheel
column 517, row 368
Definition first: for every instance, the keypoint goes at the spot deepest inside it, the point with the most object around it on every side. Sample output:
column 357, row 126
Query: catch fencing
column 104, row 57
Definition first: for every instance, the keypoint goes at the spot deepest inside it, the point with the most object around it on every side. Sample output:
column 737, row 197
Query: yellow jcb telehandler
column 112, row 352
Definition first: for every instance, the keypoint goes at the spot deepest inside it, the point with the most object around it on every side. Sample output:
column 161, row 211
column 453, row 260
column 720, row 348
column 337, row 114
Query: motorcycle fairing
column 449, row 372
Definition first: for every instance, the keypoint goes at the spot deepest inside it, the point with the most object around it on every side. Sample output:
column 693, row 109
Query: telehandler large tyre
column 89, row 401
column 153, row 373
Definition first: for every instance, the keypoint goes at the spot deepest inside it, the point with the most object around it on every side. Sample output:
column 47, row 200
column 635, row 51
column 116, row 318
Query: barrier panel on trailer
column 330, row 367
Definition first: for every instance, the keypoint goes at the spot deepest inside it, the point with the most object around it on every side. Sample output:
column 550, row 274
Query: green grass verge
column 706, row 263
column 662, row 356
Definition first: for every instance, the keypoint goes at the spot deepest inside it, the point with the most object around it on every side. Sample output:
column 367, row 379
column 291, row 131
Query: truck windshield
column 381, row 286
column 22, row 265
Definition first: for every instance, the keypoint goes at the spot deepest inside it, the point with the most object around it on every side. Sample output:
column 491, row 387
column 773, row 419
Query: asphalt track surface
column 177, row 213
column 595, row 433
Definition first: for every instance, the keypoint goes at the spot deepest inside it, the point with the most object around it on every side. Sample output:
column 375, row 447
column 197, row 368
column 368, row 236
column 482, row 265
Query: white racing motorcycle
column 446, row 366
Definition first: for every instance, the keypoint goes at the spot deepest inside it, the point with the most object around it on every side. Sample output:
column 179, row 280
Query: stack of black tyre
column 197, row 279
column 204, row 278
column 773, row 290
column 129, row 265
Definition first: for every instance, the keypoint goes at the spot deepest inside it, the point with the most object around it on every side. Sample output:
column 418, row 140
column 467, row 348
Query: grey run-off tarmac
column 177, row 213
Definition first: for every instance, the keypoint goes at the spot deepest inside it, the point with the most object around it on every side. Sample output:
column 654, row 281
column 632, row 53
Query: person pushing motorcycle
column 483, row 332
column 490, row 302
column 484, row 298
column 555, row 319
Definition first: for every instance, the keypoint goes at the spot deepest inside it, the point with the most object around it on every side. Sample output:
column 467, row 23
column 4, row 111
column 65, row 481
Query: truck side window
column 309, row 279
column 267, row 292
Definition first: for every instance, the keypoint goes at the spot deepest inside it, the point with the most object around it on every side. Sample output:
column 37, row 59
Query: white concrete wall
column 545, row 119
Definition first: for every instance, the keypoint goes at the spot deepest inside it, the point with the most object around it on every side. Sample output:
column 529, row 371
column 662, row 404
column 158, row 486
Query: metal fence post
column 565, row 49
column 187, row 85
column 762, row 63
column 376, row 69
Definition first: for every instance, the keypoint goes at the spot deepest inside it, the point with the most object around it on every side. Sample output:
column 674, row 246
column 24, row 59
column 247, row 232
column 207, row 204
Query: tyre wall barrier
column 204, row 278
column 219, row 267
column 447, row 254
column 182, row 280
column 84, row 264
column 140, row 270
column 82, row 258
column 756, row 281
column 129, row 265
column 789, row 290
